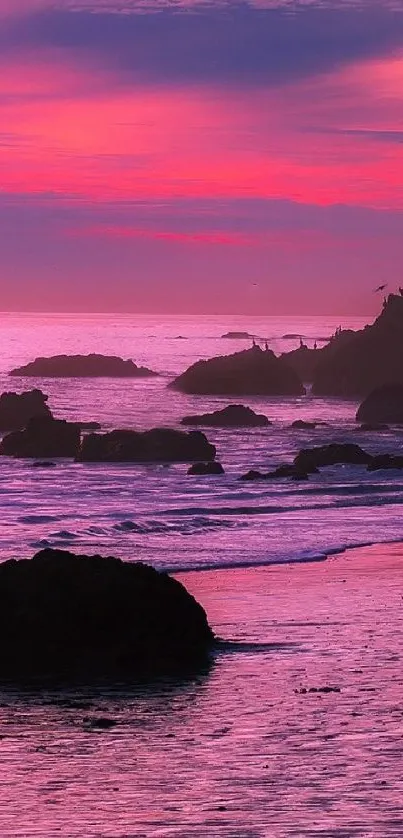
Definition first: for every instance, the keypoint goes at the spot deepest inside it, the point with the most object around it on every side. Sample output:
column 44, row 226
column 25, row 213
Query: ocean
column 295, row 729
column 160, row 514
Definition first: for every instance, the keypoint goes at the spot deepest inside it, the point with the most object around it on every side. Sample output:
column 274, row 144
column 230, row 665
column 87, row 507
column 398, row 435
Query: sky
column 200, row 157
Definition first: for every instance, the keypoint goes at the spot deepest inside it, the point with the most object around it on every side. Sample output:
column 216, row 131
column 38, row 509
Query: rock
column 366, row 360
column 252, row 372
column 384, row 404
column 233, row 416
column 293, row 471
column 156, row 446
column 372, row 426
column 206, row 468
column 303, row 361
column 253, row 475
column 301, row 425
column 16, row 409
column 237, row 336
column 287, row 470
column 43, row 437
column 44, row 464
column 88, row 426
column 385, row 461
column 82, row 366
column 64, row 616
column 330, row 455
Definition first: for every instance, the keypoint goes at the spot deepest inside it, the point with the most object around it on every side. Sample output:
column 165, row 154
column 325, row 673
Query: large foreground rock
column 82, row 366
column 158, row 445
column 369, row 359
column 383, row 405
column 16, row 409
column 63, row 615
column 43, row 437
column 310, row 459
column 233, row 416
column 253, row 372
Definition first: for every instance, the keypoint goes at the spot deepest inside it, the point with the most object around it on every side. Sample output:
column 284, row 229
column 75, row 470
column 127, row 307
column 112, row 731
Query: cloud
column 237, row 44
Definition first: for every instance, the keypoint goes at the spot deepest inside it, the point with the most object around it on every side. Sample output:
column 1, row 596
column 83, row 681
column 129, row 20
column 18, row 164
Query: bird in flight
column 380, row 288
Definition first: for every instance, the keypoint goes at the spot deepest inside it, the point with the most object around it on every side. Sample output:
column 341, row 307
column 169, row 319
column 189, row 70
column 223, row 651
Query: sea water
column 160, row 514
column 237, row 751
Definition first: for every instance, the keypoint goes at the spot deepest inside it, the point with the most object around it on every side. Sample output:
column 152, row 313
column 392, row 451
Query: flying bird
column 380, row 288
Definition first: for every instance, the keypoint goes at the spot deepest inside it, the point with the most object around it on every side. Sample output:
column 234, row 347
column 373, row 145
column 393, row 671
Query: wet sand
column 246, row 750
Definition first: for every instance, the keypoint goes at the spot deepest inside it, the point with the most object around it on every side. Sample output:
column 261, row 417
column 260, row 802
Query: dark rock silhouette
column 88, row 426
column 384, row 404
column 233, row 416
column 301, row 425
column 206, row 468
column 366, row 359
column 385, row 461
column 44, row 464
column 158, row 445
column 82, row 366
column 372, row 426
column 43, row 437
column 16, row 409
column 247, row 373
column 63, row 616
column 303, row 361
column 287, row 470
column 237, row 336
column 309, row 459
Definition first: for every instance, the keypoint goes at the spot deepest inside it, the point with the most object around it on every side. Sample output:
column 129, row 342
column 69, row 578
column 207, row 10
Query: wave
column 304, row 557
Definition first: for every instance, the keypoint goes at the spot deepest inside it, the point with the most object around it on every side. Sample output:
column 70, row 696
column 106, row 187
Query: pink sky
column 172, row 173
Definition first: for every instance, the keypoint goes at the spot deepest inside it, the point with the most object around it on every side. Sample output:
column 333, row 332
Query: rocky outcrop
column 64, row 616
column 372, row 426
column 82, row 366
column 301, row 425
column 385, row 461
column 384, row 404
column 16, row 409
column 156, row 446
column 368, row 359
column 233, row 416
column 206, row 468
column 303, row 361
column 310, row 459
column 253, row 372
column 237, row 336
column 288, row 470
column 43, row 437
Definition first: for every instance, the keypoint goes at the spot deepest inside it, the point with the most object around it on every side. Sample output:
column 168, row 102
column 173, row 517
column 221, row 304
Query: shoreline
column 250, row 603
column 315, row 558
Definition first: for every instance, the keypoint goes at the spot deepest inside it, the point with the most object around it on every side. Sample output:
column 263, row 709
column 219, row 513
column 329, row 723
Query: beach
column 294, row 731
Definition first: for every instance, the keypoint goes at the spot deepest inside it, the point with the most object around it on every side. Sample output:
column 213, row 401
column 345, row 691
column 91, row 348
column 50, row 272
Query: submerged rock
column 366, row 359
column 372, row 426
column 82, row 366
column 385, row 461
column 384, row 404
column 16, row 409
column 310, row 459
column 158, row 445
column 233, row 416
column 43, row 437
column 287, row 470
column 250, row 372
column 63, row 615
column 301, row 425
column 206, row 468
